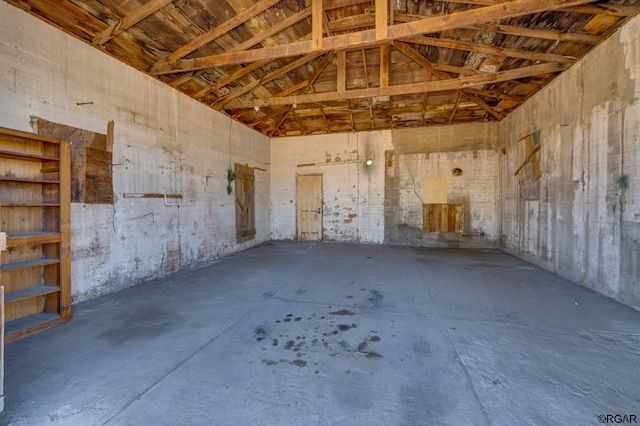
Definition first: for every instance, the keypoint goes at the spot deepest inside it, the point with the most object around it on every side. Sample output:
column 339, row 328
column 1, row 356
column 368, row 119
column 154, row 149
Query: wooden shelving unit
column 35, row 270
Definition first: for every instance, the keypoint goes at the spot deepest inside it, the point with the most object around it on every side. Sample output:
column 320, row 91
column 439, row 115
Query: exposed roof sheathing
column 297, row 67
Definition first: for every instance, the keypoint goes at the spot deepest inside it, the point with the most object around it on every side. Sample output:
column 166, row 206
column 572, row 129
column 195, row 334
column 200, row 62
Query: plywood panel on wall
column 443, row 217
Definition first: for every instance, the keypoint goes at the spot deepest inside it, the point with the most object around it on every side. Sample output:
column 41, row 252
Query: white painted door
column 309, row 215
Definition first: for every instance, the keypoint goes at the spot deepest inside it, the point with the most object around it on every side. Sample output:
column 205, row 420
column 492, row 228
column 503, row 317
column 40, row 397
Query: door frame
column 321, row 204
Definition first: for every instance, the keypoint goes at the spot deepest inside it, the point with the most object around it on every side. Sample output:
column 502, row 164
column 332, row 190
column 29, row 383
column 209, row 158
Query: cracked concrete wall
column 585, row 224
column 434, row 152
column 353, row 196
column 163, row 141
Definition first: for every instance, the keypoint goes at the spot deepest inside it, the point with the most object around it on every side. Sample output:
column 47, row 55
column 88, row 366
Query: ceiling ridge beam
column 406, row 89
column 128, row 21
column 368, row 37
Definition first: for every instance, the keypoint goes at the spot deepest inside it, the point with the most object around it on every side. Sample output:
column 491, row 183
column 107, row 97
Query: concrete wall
column 163, row 141
column 434, row 152
column 584, row 224
column 379, row 203
column 353, row 192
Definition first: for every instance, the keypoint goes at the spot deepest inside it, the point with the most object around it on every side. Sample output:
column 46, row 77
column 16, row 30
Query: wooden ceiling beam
column 521, row 31
column 596, row 9
column 414, row 55
column 406, row 89
column 218, row 31
column 123, row 24
column 269, row 77
column 366, row 38
column 279, row 27
column 490, row 50
column 537, row 33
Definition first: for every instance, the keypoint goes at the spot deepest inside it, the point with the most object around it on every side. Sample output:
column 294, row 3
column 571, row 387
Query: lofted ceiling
column 298, row 67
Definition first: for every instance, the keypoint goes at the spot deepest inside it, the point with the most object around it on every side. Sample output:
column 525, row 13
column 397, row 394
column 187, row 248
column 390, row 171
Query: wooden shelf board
column 28, row 264
column 14, row 240
column 31, row 324
column 30, row 205
column 25, row 156
column 40, row 290
column 22, row 180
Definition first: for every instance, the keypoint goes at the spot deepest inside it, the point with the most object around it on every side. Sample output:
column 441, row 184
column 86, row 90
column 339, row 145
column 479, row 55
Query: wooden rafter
column 128, row 21
column 305, row 86
column 600, row 9
column 220, row 30
column 537, row 33
column 366, row 38
column 269, row 77
column 405, row 89
column 490, row 50
column 455, row 107
column 424, row 63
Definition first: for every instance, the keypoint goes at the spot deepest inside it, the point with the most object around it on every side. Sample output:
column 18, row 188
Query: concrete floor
column 294, row 333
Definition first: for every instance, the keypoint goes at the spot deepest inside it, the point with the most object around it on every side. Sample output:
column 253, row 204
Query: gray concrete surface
column 293, row 333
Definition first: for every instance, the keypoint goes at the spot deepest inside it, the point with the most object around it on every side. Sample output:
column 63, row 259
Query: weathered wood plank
column 316, row 24
column 366, row 38
column 220, row 30
column 129, row 21
column 406, row 89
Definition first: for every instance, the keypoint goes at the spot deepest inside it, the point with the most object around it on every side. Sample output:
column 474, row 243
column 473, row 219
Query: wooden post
column 316, row 24
column 341, row 62
column 382, row 18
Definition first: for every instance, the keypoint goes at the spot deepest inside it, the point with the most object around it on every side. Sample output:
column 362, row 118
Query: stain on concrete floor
column 438, row 339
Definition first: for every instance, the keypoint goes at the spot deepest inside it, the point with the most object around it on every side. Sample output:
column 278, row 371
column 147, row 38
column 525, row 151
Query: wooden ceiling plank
column 406, row 89
column 220, row 30
column 279, row 27
column 490, row 50
column 184, row 78
column 231, row 77
column 128, row 21
column 282, row 120
column 337, row 4
column 494, row 94
column 366, row 38
column 269, row 77
column 427, row 65
column 308, row 84
column 316, row 24
column 482, row 104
